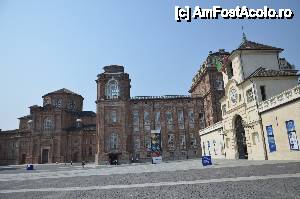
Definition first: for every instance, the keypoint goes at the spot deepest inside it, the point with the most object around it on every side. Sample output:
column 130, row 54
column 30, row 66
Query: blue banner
column 271, row 140
column 293, row 140
column 290, row 125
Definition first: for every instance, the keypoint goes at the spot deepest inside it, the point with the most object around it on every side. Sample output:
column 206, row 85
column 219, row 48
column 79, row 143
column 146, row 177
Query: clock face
column 233, row 95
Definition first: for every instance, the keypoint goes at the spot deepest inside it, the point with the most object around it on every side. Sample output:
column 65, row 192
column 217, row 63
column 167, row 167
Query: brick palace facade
column 60, row 131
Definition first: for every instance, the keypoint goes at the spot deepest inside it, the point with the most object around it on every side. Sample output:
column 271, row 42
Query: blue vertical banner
column 271, row 140
column 293, row 140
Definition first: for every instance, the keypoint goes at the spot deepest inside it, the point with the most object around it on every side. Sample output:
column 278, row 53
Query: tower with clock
column 252, row 73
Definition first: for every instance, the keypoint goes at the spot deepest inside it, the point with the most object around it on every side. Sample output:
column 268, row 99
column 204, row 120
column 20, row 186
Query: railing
column 279, row 99
column 162, row 97
column 211, row 128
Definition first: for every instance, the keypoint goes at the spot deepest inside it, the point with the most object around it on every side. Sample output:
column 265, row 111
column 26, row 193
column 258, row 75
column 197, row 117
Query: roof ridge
column 247, row 44
column 62, row 90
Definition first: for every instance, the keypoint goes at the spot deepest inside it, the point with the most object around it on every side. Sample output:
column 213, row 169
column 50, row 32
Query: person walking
column 82, row 164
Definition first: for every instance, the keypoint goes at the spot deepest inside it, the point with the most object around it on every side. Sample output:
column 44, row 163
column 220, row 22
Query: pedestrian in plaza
column 82, row 164
column 71, row 162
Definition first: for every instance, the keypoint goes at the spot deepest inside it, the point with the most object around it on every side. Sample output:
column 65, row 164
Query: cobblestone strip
column 122, row 186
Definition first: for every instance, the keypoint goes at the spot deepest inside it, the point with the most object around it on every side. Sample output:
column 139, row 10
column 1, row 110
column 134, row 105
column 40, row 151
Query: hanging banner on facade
column 272, row 144
column 293, row 140
column 156, row 146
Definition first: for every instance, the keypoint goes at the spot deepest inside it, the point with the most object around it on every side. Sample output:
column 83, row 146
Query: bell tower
column 113, row 84
column 113, row 135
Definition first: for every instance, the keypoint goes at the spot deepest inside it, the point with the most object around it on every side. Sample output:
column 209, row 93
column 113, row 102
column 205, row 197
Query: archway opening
column 113, row 159
column 240, row 138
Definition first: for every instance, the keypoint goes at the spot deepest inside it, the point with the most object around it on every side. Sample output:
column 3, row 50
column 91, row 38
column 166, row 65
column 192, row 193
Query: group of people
column 71, row 163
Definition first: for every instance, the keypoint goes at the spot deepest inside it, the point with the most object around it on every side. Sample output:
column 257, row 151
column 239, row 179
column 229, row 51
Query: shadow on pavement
column 8, row 169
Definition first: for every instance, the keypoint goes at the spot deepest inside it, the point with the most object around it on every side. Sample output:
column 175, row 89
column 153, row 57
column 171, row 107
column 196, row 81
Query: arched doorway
column 45, row 156
column 75, row 157
column 113, row 158
column 240, row 138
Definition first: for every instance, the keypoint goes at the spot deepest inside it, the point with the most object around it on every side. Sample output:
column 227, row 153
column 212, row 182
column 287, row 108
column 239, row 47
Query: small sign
column 156, row 160
column 206, row 160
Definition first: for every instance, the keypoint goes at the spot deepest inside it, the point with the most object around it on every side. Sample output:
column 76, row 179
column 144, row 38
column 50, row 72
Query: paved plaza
column 175, row 179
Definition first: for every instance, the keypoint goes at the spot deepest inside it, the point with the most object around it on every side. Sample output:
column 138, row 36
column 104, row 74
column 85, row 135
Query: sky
column 48, row 45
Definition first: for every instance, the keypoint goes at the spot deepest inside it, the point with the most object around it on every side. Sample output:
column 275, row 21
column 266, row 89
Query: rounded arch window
column 48, row 123
column 112, row 89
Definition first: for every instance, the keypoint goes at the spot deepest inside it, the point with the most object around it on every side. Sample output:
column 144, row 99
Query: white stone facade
column 212, row 141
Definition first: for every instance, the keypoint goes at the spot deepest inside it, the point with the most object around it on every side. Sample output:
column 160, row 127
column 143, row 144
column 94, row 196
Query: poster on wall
column 293, row 140
column 271, row 140
column 156, row 146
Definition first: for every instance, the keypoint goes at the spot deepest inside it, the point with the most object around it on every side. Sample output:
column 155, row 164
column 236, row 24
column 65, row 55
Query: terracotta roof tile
column 250, row 45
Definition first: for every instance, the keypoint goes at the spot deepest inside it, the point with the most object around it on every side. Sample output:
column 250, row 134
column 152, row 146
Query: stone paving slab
column 125, row 169
column 129, row 178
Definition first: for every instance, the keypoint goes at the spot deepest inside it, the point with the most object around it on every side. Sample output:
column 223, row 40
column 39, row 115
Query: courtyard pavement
column 174, row 179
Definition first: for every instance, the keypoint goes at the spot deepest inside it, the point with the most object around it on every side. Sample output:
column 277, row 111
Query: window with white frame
column 224, row 109
column 147, row 143
column 180, row 119
column 113, row 141
column 157, row 120
column 202, row 119
column 249, row 95
column 182, row 141
column 137, row 143
column 146, row 118
column 135, row 121
column 169, row 117
column 215, row 147
column 193, row 140
column 171, row 138
column 48, row 123
column 58, row 103
column 71, row 105
column 112, row 89
column 191, row 118
column 113, row 116
column 46, row 101
column 219, row 84
column 135, row 117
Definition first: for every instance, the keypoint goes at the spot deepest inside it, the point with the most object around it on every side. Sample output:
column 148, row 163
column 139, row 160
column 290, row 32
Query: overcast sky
column 48, row 45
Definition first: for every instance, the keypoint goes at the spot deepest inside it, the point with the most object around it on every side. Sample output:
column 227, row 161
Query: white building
column 252, row 74
column 212, row 141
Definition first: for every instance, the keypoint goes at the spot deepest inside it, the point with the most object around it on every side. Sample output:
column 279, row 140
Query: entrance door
column 23, row 160
column 45, row 153
column 241, row 138
column 113, row 159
